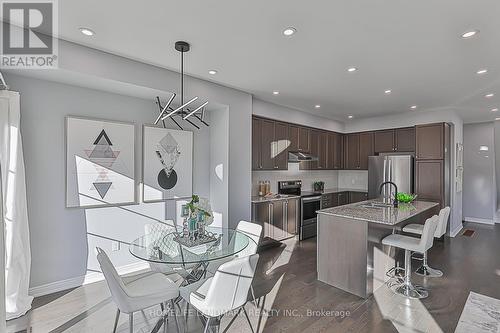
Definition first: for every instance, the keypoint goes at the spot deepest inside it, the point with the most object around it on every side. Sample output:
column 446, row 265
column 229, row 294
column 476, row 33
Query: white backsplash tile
column 357, row 179
column 308, row 177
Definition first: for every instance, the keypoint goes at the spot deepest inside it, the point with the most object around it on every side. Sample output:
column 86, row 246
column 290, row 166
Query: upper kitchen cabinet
column 365, row 149
column 352, row 151
column 256, row 144
column 334, row 159
column 269, row 145
column 384, row 141
column 358, row 147
column 430, row 141
column 299, row 138
column 314, row 146
column 405, row 139
column 395, row 140
column 322, row 150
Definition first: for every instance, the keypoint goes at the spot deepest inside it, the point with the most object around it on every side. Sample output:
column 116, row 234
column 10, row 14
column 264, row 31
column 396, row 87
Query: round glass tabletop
column 164, row 246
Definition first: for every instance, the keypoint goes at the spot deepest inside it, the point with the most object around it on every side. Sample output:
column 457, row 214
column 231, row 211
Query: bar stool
column 424, row 269
column 413, row 244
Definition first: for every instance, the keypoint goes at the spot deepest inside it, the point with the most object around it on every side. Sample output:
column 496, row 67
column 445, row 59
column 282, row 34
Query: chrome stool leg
column 425, row 270
column 407, row 289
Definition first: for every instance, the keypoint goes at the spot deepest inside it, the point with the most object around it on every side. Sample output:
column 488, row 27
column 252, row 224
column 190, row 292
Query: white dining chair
column 254, row 232
column 226, row 291
column 136, row 293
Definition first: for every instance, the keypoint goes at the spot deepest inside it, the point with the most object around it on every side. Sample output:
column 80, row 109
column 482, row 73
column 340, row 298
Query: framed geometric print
column 100, row 163
column 167, row 164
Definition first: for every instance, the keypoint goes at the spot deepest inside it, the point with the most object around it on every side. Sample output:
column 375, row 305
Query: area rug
column 481, row 314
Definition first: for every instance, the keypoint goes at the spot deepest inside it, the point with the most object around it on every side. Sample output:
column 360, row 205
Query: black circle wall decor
column 165, row 181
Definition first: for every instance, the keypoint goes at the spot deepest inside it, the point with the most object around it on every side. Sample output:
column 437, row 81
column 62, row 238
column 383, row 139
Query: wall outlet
column 115, row 246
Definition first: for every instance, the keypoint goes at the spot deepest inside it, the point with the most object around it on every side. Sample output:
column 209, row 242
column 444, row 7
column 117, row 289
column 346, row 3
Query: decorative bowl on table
column 405, row 197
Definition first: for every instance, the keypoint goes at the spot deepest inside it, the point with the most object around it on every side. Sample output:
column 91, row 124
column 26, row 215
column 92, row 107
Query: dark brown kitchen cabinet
column 334, row 152
column 430, row 141
column 343, row 198
column 293, row 137
column 322, row 150
column 266, row 147
column 429, row 180
column 256, row 144
column 405, row 139
column 384, row 141
column 395, row 140
column 280, row 146
column 359, row 146
column 352, row 151
column 304, row 139
column 357, row 197
column 269, row 145
column 365, row 149
column 314, row 137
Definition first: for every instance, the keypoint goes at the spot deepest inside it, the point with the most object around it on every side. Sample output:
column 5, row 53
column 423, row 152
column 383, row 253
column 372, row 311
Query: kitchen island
column 350, row 251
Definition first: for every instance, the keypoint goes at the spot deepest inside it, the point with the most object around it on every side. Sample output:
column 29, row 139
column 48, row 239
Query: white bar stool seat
column 424, row 269
column 413, row 244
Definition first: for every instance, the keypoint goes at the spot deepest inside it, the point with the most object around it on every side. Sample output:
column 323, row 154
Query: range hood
column 297, row 156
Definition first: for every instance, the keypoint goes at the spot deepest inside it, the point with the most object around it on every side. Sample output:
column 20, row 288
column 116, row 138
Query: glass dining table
column 162, row 246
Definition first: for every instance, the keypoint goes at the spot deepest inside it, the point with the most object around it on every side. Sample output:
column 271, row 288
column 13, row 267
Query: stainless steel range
column 310, row 202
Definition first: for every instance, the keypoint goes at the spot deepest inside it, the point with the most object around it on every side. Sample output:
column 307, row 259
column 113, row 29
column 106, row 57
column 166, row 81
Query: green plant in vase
column 199, row 212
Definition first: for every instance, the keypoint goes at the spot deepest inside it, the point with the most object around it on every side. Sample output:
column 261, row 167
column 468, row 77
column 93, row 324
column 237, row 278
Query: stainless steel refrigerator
column 395, row 168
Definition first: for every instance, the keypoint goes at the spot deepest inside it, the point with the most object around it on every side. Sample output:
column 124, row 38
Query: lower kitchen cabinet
column 279, row 218
column 357, row 197
column 342, row 198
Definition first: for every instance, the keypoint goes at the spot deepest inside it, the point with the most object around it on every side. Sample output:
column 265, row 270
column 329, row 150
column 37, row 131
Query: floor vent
column 468, row 233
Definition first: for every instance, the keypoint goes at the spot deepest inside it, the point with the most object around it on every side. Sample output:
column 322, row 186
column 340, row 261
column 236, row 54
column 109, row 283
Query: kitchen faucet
column 388, row 197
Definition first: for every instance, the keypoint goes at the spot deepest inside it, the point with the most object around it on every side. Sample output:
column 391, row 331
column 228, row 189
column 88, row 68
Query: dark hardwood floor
column 292, row 300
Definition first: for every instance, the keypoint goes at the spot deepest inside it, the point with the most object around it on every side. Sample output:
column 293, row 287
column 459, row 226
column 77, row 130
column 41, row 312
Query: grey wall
column 479, row 194
column 59, row 236
column 59, row 244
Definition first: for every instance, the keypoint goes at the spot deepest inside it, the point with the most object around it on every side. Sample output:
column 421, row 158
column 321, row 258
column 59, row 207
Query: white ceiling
column 411, row 47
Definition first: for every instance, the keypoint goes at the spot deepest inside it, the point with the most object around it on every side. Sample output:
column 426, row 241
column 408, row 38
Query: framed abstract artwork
column 167, row 164
column 100, row 163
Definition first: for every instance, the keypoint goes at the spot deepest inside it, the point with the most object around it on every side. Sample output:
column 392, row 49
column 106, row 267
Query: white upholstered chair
column 424, row 269
column 226, row 291
column 136, row 293
column 254, row 232
column 413, row 244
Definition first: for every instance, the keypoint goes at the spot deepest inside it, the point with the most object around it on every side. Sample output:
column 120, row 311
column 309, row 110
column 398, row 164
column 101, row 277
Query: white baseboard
column 88, row 278
column 455, row 232
column 478, row 220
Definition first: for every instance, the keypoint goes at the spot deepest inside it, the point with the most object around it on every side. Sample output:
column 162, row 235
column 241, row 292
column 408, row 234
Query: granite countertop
column 257, row 199
column 385, row 215
column 334, row 190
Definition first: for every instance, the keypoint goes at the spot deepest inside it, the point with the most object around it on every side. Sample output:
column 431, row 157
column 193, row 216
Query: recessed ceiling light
column 470, row 33
column 494, row 110
column 482, row 71
column 352, row 69
column 350, row 117
column 289, row 31
column 388, row 91
column 489, row 95
column 413, row 107
column 212, row 72
column 87, row 32
column 276, row 92
column 317, row 106
column 483, row 148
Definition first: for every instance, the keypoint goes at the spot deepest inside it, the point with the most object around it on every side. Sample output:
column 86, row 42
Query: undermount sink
column 376, row 205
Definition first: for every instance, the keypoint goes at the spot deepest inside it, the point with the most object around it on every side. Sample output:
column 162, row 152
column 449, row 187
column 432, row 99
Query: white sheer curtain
column 17, row 242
